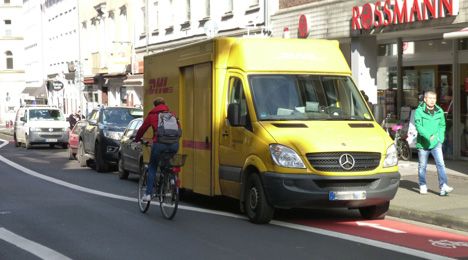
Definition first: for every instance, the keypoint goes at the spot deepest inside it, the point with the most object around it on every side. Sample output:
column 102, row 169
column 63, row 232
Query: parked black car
column 100, row 139
column 130, row 153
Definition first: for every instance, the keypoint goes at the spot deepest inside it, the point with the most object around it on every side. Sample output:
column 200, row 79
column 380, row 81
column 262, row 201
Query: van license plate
column 51, row 140
column 347, row 195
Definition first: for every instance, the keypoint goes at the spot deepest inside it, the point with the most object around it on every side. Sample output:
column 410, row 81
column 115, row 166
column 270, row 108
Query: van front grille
column 329, row 162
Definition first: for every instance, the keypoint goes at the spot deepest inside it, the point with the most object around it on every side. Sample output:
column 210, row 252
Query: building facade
column 61, row 54
column 12, row 76
column 166, row 24
column 397, row 50
column 107, row 51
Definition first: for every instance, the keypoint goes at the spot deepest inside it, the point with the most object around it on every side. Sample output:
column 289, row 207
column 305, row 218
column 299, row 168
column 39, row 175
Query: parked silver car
column 130, row 153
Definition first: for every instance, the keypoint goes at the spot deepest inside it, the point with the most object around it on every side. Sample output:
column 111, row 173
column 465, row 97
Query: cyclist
column 157, row 147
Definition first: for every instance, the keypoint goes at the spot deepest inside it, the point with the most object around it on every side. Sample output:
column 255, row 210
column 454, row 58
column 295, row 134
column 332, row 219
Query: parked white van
column 40, row 124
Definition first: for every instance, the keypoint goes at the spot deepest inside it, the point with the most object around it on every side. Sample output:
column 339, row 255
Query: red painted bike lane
column 398, row 233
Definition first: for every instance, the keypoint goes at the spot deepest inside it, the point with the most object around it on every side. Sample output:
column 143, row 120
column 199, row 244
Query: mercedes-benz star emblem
column 346, row 161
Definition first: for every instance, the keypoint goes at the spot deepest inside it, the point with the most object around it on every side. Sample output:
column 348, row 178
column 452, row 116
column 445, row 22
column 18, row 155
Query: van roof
column 282, row 55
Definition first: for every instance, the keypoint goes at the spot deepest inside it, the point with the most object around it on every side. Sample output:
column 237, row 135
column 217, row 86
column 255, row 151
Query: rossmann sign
column 389, row 12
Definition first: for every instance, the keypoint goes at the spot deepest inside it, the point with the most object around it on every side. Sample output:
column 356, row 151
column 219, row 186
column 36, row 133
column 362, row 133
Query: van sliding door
column 197, row 136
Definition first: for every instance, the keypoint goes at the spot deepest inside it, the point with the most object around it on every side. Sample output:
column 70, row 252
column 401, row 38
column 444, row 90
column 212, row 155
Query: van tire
column 81, row 155
column 101, row 165
column 257, row 208
column 375, row 212
column 123, row 174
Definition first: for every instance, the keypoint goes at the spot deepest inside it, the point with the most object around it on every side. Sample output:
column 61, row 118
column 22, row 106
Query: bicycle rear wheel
column 143, row 205
column 169, row 196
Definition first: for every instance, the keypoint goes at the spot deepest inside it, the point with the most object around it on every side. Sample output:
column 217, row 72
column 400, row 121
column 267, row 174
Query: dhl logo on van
column 159, row 86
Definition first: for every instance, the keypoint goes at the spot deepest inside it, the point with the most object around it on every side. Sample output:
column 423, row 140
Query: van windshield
column 46, row 114
column 307, row 97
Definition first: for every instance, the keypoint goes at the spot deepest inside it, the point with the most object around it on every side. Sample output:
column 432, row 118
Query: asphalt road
column 51, row 208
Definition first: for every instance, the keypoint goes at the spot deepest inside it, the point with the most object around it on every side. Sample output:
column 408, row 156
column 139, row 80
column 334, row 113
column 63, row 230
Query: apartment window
column 228, row 6
column 170, row 16
column 207, row 9
column 185, row 15
column 9, row 60
column 155, row 19
column 186, row 10
column 228, row 14
column 7, row 27
column 253, row 3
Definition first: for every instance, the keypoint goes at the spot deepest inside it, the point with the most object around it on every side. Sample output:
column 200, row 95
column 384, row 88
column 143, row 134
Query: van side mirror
column 92, row 122
column 23, row 119
column 233, row 114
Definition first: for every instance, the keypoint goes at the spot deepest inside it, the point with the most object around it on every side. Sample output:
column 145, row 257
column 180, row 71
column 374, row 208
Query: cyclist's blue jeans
column 423, row 155
column 156, row 150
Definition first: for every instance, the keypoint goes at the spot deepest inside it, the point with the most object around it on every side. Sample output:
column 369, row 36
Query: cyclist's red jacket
column 151, row 120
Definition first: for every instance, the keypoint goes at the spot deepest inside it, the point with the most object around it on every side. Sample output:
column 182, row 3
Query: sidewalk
column 449, row 211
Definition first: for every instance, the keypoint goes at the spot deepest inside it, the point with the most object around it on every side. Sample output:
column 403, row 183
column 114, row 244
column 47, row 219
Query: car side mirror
column 92, row 122
column 233, row 114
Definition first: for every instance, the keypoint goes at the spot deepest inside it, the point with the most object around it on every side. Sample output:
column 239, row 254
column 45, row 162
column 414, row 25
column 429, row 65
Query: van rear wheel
column 375, row 212
column 257, row 208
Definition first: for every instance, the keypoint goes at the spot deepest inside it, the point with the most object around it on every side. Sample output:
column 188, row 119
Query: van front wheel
column 375, row 212
column 258, row 209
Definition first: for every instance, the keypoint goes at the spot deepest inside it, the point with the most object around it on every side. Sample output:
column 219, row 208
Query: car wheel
column 81, row 155
column 27, row 144
column 123, row 174
column 258, row 209
column 101, row 165
column 375, row 212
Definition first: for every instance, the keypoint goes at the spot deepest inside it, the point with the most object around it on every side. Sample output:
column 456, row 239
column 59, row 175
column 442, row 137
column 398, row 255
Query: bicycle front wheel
column 143, row 205
column 169, row 196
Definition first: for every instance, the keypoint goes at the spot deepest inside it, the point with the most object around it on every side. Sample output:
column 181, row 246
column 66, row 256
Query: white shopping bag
column 412, row 132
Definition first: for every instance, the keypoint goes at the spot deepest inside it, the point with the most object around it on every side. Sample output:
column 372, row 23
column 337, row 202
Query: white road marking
column 378, row 226
column 30, row 246
column 374, row 243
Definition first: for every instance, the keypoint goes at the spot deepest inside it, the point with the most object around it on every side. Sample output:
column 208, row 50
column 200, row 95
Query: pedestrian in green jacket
column 429, row 120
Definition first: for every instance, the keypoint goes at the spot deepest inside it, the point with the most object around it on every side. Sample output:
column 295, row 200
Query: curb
column 429, row 218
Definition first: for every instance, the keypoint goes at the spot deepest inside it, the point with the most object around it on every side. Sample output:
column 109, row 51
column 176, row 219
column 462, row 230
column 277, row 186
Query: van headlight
column 34, row 129
column 285, row 156
column 112, row 134
column 391, row 157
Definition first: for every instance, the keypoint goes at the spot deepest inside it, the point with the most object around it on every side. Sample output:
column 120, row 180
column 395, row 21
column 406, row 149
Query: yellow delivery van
column 274, row 123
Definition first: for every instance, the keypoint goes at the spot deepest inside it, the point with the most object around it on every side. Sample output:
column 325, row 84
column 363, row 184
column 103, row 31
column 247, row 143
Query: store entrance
column 463, row 137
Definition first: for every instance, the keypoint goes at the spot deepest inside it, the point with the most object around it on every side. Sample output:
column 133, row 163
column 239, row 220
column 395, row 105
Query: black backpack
column 169, row 131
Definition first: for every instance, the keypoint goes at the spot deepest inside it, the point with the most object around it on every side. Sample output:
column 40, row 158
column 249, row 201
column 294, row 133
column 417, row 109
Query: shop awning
column 133, row 81
column 463, row 33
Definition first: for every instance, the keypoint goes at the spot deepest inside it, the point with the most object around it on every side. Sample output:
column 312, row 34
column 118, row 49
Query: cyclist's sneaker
column 423, row 189
column 146, row 198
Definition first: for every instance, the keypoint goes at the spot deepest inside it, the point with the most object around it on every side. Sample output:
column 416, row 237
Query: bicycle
column 402, row 146
column 166, row 187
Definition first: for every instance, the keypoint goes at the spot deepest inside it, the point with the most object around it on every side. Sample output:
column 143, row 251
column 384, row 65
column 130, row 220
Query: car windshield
column 46, row 114
column 121, row 116
column 307, row 97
